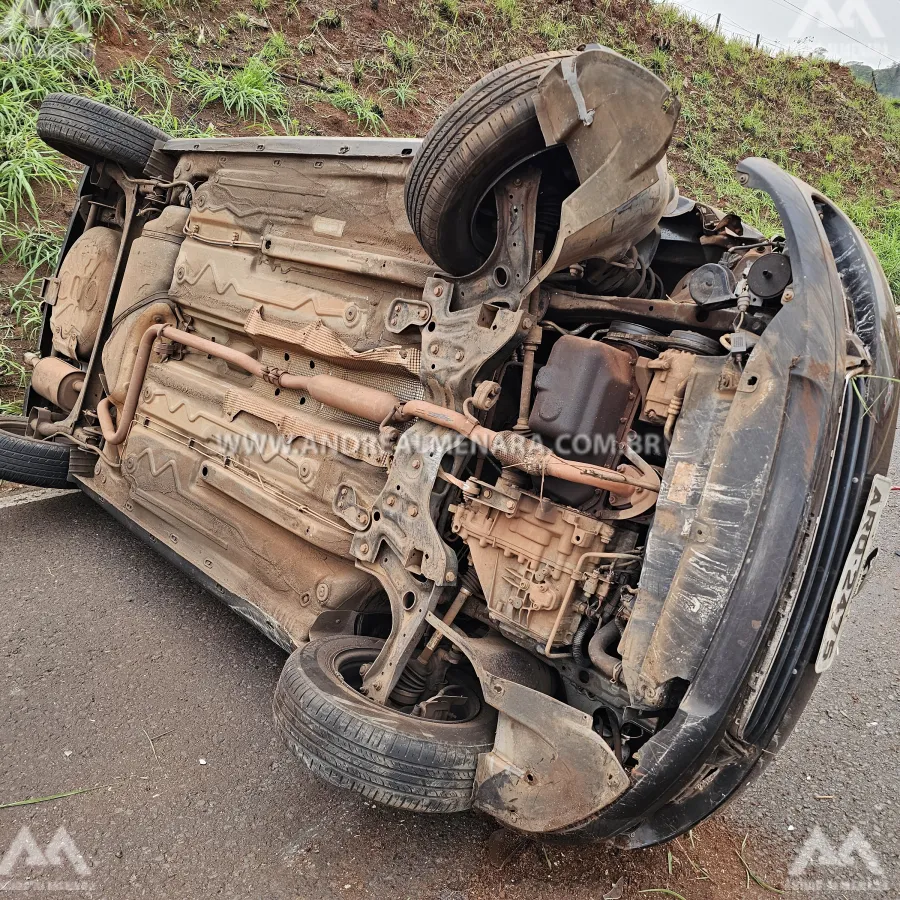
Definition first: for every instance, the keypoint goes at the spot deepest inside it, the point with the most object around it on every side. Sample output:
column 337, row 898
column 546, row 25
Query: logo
column 29, row 18
column 26, row 857
column 820, row 866
column 853, row 14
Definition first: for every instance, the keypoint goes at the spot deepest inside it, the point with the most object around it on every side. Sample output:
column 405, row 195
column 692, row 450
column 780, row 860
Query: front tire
column 421, row 765
column 490, row 129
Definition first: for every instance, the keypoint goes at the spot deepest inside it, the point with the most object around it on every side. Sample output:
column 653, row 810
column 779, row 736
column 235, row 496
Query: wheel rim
column 483, row 223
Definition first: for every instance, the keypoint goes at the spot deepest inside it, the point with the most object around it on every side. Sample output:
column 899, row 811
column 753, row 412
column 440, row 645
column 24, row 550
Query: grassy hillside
column 389, row 67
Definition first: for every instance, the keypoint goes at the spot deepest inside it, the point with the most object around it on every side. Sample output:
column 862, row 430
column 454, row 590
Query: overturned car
column 554, row 484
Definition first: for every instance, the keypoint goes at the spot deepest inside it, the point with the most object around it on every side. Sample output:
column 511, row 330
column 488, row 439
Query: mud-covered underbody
column 609, row 497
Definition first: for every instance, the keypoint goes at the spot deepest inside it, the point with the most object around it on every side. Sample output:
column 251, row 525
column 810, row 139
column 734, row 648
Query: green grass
column 401, row 93
column 27, row 161
column 557, row 33
column 252, row 92
column 12, row 373
column 276, row 47
column 448, row 10
column 511, row 11
column 331, row 18
column 142, row 81
column 343, row 96
column 402, row 52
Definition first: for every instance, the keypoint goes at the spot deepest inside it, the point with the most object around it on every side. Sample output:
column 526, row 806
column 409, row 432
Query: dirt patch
column 701, row 866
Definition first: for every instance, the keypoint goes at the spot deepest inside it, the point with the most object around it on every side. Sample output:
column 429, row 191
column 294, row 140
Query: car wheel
column 490, row 129
column 88, row 131
column 26, row 460
column 388, row 756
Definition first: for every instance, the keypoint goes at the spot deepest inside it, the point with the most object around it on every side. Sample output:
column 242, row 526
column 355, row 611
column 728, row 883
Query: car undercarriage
column 554, row 483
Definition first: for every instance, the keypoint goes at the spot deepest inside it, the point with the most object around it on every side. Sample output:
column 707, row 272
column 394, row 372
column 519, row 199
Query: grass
column 557, row 33
column 13, row 376
column 141, row 80
column 401, row 93
column 331, row 18
column 276, row 47
column 251, row 92
column 401, row 51
column 510, row 11
column 367, row 114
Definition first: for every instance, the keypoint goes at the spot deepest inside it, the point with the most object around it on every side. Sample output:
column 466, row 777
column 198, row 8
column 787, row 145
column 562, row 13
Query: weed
column 448, row 10
column 242, row 20
column 331, row 18
column 260, row 5
column 12, row 372
column 96, row 14
column 28, row 161
column 33, row 247
column 511, row 11
column 144, row 78
column 252, row 91
column 402, row 52
column 753, row 123
column 657, row 61
column 343, row 96
column 556, row 33
column 276, row 47
column 401, row 93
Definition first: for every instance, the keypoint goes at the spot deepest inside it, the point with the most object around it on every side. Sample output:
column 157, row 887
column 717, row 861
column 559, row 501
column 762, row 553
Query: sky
column 847, row 30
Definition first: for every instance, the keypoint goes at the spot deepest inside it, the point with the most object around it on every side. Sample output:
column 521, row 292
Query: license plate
column 851, row 575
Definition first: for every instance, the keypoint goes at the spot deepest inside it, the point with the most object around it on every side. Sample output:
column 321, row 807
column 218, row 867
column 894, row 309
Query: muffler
column 56, row 380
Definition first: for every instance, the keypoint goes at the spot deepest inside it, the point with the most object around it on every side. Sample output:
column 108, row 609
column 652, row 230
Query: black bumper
column 699, row 759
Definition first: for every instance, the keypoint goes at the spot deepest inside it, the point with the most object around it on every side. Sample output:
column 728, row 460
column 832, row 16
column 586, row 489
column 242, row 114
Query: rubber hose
column 598, row 650
column 579, row 653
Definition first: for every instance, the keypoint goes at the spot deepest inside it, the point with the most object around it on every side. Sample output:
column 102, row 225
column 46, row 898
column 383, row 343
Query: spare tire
column 419, row 764
column 26, row 460
column 88, row 131
column 491, row 128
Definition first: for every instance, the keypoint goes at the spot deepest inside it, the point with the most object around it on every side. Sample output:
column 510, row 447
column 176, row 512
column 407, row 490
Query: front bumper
column 797, row 514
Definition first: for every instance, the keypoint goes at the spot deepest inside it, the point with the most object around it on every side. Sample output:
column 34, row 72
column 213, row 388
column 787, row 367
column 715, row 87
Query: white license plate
column 851, row 575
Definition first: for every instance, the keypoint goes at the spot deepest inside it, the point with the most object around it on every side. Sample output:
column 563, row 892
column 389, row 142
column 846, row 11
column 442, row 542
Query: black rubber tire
column 25, row 460
column 391, row 758
column 486, row 132
column 88, row 131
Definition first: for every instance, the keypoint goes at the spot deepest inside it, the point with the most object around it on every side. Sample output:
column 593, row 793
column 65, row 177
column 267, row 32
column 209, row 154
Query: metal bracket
column 571, row 78
column 404, row 313
column 402, row 545
column 345, row 505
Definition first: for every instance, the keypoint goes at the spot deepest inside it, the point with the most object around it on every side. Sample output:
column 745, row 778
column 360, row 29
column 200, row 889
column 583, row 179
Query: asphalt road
column 121, row 676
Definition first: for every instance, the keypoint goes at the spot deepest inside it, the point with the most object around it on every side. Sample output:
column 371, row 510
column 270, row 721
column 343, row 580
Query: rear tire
column 485, row 133
column 26, row 460
column 410, row 763
column 88, row 131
